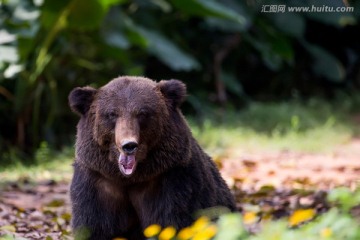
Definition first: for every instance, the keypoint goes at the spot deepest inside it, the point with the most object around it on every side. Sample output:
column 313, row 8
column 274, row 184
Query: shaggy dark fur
column 165, row 179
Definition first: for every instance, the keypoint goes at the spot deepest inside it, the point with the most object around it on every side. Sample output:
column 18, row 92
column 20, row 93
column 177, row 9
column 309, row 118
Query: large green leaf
column 51, row 10
column 207, row 8
column 116, row 39
column 325, row 64
column 275, row 48
column 25, row 47
column 162, row 4
column 228, row 25
column 113, row 27
column 108, row 3
column 281, row 45
column 225, row 24
column 272, row 61
column 290, row 23
column 160, row 46
column 232, row 83
column 118, row 30
column 84, row 14
column 167, row 51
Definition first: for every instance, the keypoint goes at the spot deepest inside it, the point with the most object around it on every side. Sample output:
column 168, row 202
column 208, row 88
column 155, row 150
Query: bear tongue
column 126, row 164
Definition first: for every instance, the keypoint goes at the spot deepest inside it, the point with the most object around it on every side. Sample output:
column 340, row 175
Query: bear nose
column 129, row 147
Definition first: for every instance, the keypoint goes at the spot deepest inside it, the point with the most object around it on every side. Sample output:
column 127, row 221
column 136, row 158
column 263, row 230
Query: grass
column 47, row 165
column 315, row 126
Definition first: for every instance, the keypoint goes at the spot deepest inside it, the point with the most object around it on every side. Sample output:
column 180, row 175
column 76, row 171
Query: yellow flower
column 200, row 224
column 206, row 234
column 250, row 217
column 300, row 216
column 152, row 230
column 167, row 233
column 326, row 232
column 185, row 233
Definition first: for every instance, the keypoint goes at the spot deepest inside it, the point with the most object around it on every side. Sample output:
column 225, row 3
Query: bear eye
column 143, row 113
column 111, row 115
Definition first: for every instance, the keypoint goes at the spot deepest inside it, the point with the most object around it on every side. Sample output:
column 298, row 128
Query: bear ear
column 173, row 90
column 80, row 99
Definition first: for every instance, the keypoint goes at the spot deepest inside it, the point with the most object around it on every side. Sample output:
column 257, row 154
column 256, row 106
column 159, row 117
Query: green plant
column 227, row 48
column 302, row 224
column 295, row 125
column 42, row 154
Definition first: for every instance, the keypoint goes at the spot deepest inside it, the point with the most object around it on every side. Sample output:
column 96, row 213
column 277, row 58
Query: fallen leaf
column 9, row 228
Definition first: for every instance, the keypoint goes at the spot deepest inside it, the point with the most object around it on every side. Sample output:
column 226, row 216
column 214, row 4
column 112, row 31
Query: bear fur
column 162, row 176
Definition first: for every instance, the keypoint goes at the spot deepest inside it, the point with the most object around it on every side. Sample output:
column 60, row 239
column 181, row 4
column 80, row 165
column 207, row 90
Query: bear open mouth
column 127, row 164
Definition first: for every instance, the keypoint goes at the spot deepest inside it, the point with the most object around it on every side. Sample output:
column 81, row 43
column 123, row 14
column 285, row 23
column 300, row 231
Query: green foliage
column 326, row 64
column 82, row 234
column 48, row 47
column 42, row 154
column 209, row 8
column 345, row 198
column 333, row 224
column 230, row 227
column 48, row 165
column 296, row 126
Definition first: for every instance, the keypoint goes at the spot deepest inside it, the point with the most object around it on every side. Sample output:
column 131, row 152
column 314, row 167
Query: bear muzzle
column 127, row 160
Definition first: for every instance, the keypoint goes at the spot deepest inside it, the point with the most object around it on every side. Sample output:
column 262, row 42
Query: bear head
column 128, row 116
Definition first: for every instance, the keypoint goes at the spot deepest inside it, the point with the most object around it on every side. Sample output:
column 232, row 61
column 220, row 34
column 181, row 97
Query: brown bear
column 136, row 161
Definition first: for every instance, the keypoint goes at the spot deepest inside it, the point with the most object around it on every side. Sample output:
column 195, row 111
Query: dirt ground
column 340, row 167
column 278, row 182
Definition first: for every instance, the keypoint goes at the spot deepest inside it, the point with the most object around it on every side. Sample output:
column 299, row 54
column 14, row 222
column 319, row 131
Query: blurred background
column 250, row 66
column 273, row 98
